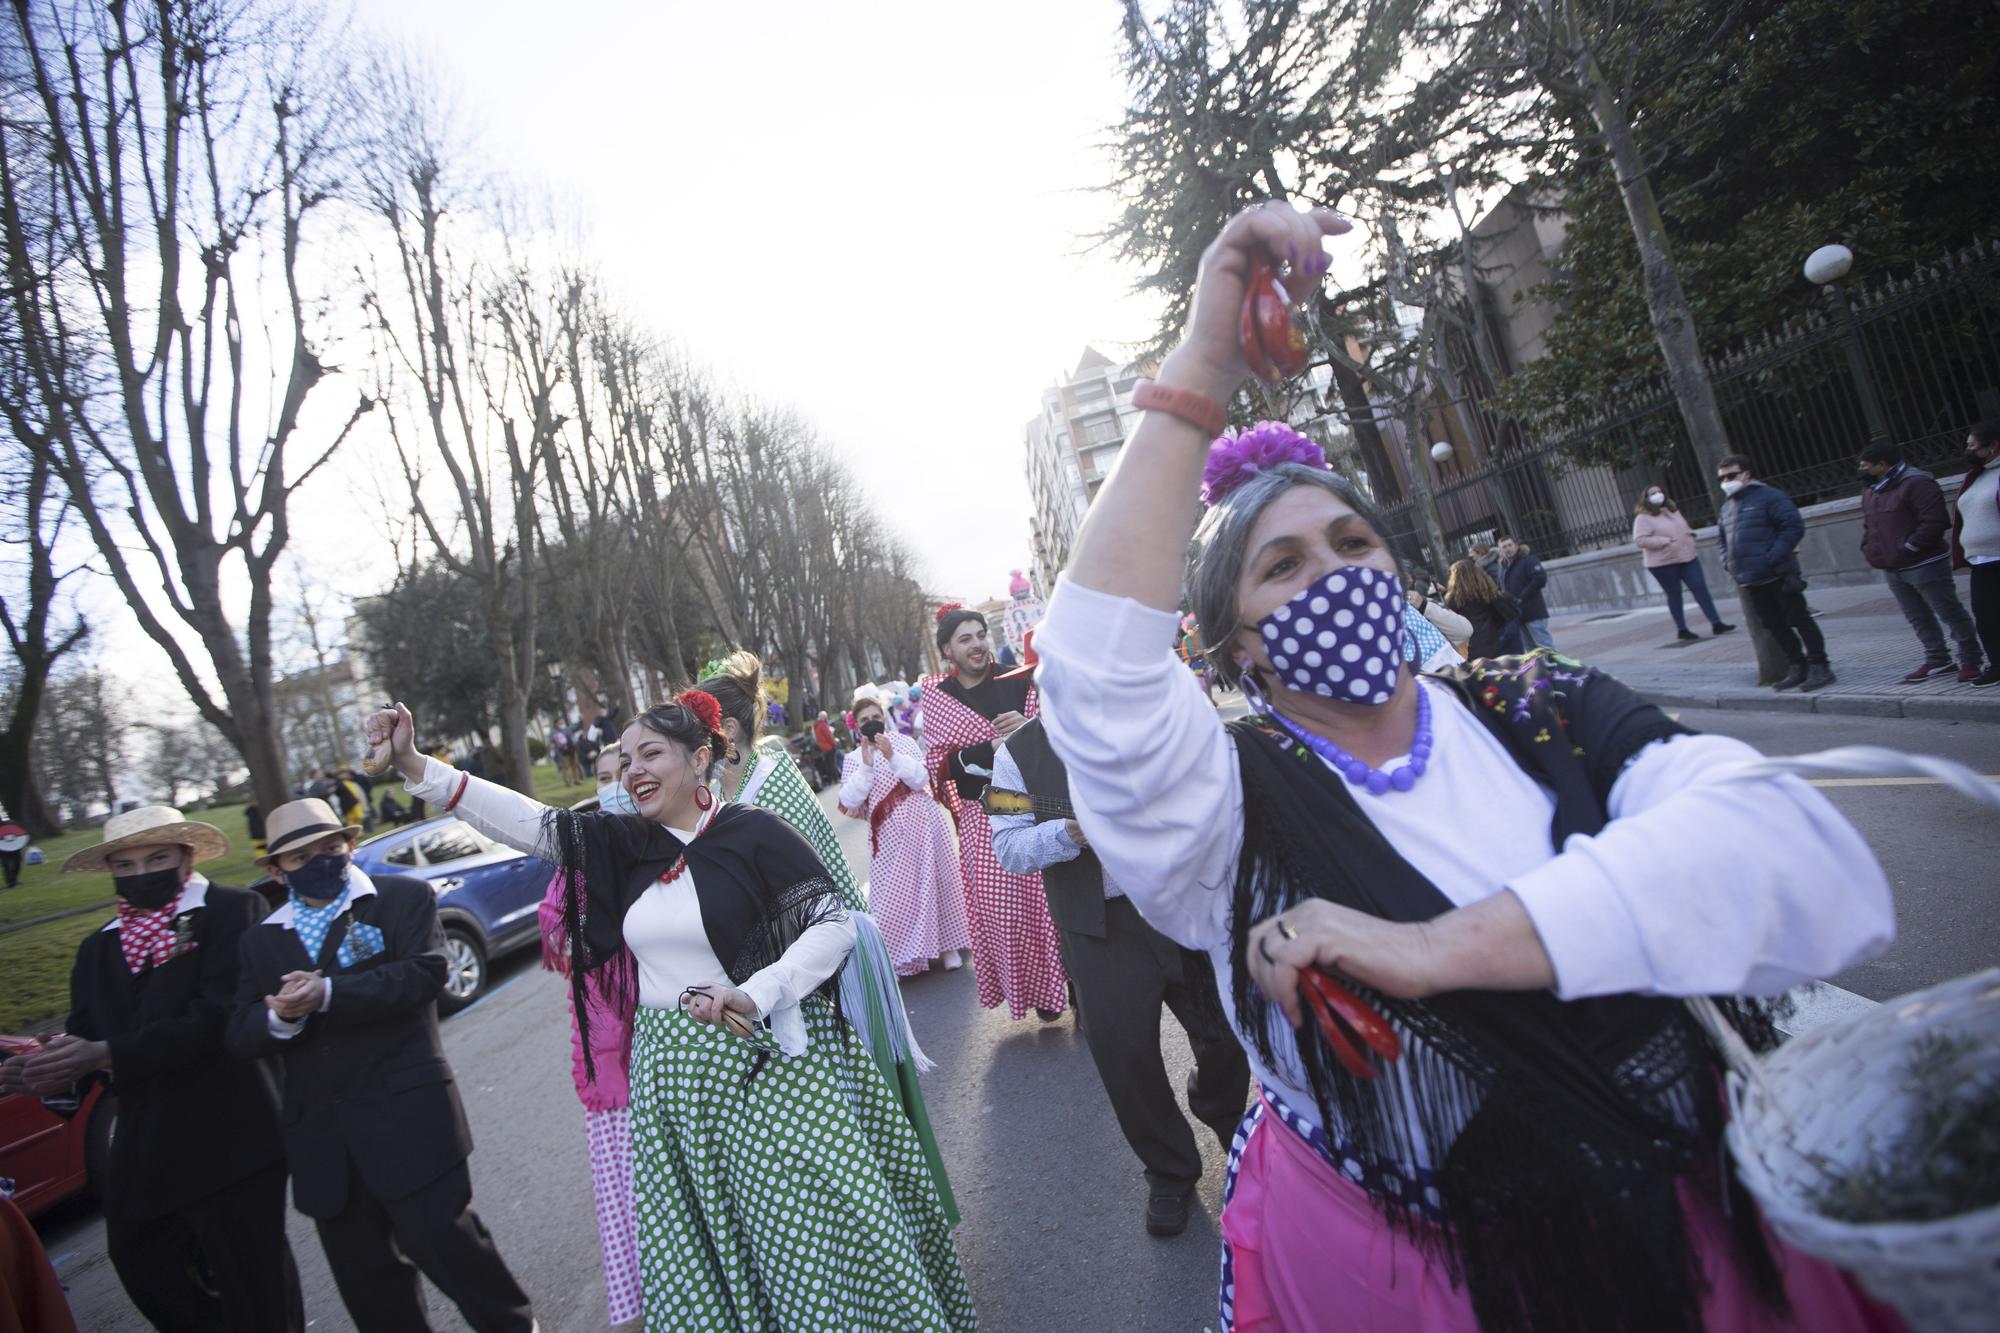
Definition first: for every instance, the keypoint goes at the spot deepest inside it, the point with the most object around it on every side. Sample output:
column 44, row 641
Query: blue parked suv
column 486, row 895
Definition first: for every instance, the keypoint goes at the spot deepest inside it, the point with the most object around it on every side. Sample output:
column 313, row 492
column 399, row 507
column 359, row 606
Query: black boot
column 1792, row 679
column 1818, row 677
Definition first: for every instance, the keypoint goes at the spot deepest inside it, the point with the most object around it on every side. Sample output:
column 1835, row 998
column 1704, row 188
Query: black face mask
column 149, row 890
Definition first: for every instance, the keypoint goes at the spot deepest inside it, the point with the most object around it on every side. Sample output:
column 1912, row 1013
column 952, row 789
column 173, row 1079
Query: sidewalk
column 1868, row 642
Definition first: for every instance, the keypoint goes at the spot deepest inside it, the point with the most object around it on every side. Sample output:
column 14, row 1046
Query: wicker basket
column 1836, row 1096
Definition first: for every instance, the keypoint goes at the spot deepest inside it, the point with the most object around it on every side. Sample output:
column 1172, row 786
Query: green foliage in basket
column 1947, row 1162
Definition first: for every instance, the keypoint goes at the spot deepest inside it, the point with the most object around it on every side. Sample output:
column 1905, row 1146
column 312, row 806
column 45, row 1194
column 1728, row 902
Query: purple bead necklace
column 1360, row 774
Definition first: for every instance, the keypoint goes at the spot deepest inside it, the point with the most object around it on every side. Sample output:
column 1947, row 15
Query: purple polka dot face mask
column 1341, row 637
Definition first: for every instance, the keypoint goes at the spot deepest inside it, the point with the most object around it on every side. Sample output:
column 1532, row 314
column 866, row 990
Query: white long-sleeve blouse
column 1692, row 888
column 663, row 928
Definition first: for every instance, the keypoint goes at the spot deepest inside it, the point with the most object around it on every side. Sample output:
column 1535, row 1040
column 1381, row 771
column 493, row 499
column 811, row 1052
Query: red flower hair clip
column 705, row 708
column 947, row 609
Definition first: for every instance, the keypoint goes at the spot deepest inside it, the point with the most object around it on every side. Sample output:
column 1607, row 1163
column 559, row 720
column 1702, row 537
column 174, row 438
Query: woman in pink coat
column 1667, row 543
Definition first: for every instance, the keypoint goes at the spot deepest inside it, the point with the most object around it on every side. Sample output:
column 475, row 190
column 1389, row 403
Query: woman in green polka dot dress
column 778, row 1184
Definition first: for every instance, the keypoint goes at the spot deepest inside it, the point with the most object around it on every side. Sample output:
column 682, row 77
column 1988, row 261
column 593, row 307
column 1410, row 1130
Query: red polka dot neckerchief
column 675, row 871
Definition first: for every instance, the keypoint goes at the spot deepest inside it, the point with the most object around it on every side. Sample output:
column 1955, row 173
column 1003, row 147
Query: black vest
column 1075, row 887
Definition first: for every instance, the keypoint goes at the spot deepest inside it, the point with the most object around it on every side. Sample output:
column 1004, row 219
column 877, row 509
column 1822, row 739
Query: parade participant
column 602, row 1085
column 1508, row 1122
column 194, row 1188
column 1666, row 544
column 1124, row 971
column 740, row 1067
column 915, row 886
column 341, row 983
column 770, row 780
column 1016, row 956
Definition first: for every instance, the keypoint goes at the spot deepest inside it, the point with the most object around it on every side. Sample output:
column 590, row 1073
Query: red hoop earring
column 703, row 798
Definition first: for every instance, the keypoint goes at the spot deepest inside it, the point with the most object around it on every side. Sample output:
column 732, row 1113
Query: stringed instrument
column 998, row 802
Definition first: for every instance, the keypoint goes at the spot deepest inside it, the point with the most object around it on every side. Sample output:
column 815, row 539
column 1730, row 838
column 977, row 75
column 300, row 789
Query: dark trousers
column 1928, row 596
column 1672, row 577
column 1121, row 982
column 222, row 1264
column 1984, row 595
column 1791, row 624
column 10, row 863
column 376, row 1247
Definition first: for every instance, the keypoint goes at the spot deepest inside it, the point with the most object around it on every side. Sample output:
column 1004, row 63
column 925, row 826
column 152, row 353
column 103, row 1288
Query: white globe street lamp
column 1829, row 263
column 1440, row 451
column 1824, row 268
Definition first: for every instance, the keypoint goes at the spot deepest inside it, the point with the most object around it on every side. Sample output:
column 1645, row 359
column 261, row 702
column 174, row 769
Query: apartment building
column 1072, row 442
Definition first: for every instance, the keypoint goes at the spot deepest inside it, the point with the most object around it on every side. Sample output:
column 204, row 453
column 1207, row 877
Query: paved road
column 1050, row 1193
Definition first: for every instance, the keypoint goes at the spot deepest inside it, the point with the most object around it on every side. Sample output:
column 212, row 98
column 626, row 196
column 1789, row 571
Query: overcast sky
column 871, row 211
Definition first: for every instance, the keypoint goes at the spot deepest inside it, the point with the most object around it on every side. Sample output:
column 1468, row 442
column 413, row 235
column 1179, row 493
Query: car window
column 406, row 855
column 453, row 842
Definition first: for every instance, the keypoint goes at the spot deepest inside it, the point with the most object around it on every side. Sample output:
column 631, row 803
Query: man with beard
column 194, row 1192
column 341, row 982
column 1015, row 951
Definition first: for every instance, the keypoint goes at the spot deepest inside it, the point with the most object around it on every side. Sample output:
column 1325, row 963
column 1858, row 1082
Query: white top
column 1776, row 889
column 1979, row 517
column 663, row 929
column 859, row 775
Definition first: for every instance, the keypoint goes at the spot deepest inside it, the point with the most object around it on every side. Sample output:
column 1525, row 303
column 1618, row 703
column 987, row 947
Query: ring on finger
column 1285, row 928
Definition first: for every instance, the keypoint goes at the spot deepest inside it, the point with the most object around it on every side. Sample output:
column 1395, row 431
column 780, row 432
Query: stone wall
column 1615, row 579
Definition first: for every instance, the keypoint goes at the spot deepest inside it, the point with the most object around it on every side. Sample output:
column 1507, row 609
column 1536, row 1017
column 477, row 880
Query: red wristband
column 464, row 781
column 1199, row 411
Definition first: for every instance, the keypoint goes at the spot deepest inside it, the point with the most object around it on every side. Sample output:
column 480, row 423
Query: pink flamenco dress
column 607, row 1121
column 915, row 888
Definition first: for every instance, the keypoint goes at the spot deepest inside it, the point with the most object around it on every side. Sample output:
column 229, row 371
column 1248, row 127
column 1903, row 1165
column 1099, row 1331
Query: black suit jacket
column 191, row 1119
column 367, row 1076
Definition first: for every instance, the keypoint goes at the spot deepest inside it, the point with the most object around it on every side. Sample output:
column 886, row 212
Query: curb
column 1933, row 708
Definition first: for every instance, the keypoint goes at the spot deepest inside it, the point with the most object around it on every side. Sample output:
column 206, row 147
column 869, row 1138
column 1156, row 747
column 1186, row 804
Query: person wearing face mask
column 1905, row 533
column 1759, row 531
column 602, row 1085
column 340, row 983
column 194, row 1191
column 776, row 1180
column 1975, row 540
column 1448, row 913
column 1016, row 953
column 1666, row 544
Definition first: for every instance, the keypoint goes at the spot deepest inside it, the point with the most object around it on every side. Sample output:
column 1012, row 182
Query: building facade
column 1084, row 421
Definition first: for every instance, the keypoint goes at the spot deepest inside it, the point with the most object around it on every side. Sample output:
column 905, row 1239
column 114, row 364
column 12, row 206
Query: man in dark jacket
column 341, row 983
column 194, row 1186
column 1905, row 533
column 1759, row 530
column 1124, row 971
column 1522, row 578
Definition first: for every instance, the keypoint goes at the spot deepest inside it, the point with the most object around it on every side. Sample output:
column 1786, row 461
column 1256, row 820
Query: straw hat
column 296, row 823
column 146, row 826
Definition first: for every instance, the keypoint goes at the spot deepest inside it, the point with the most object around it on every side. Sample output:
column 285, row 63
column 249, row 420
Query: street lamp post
column 1824, row 268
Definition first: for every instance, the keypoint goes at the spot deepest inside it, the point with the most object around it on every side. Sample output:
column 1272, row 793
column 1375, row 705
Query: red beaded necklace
column 701, row 827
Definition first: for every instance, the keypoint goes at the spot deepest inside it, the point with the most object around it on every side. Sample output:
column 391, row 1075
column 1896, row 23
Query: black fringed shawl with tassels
column 759, row 884
column 1569, row 1124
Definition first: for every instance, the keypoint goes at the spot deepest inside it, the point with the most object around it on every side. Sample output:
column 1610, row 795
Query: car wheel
column 464, row 970
column 97, row 1144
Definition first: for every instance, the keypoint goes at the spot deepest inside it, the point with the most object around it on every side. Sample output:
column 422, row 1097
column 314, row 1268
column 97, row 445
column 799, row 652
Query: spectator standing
column 13, row 842
column 1975, row 540
column 1760, row 530
column 1905, row 528
column 1495, row 620
column 828, row 748
column 1666, row 544
column 1522, row 578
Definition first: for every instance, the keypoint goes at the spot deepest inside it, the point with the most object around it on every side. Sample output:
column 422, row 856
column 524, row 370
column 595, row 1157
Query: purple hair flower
column 1234, row 459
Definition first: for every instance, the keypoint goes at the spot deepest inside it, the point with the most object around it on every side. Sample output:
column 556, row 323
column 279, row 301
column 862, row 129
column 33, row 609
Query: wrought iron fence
column 1929, row 344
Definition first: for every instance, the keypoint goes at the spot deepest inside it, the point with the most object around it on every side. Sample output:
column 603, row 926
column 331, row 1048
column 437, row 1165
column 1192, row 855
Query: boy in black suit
column 194, row 1190
column 341, row 983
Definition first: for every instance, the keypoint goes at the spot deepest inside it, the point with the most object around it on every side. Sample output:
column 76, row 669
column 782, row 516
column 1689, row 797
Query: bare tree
column 152, row 161
column 80, row 748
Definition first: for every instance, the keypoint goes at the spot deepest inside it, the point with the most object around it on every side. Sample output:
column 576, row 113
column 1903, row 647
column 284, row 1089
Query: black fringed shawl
column 760, row 886
column 1560, row 1188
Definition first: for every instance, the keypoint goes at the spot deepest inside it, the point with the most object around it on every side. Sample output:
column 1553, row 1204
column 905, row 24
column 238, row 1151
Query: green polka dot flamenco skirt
column 797, row 1201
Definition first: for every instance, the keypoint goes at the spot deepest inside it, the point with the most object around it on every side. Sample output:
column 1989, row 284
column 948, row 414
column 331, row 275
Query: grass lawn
column 35, row 962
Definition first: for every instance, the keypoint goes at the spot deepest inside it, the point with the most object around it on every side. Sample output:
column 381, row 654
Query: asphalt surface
column 1052, row 1197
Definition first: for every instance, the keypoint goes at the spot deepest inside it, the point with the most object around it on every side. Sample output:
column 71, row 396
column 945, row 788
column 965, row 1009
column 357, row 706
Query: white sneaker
column 952, row 962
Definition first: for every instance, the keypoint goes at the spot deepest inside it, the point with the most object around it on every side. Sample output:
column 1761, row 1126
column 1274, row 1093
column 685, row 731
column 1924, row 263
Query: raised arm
column 501, row 813
column 1136, row 534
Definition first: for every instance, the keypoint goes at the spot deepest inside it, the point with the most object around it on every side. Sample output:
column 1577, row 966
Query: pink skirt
column 617, row 1223
column 1305, row 1251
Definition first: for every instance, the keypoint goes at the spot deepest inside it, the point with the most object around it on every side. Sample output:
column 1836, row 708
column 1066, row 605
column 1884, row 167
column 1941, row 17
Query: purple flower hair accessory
column 1234, row 459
